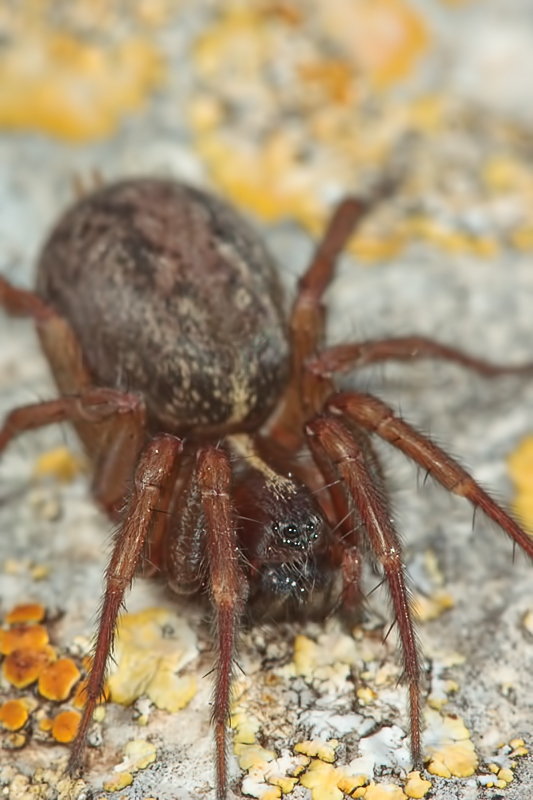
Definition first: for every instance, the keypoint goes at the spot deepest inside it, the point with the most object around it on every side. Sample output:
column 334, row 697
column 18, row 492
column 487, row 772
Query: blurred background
column 283, row 108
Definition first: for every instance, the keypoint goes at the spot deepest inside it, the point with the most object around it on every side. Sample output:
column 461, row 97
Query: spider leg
column 346, row 357
column 205, row 522
column 157, row 470
column 110, row 423
column 377, row 417
column 355, row 464
column 306, row 392
column 22, row 303
column 117, row 422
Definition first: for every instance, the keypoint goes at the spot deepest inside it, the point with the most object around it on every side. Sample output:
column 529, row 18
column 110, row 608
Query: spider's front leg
column 152, row 488
column 348, row 454
column 203, row 554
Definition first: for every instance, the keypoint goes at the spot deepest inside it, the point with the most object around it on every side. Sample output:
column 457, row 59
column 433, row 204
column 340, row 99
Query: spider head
column 284, row 537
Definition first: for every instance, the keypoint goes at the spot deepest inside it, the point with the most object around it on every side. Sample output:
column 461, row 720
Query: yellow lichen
column 505, row 774
column 416, row 786
column 150, row 648
column 383, row 791
column 522, row 238
column 366, row 695
column 322, row 779
column 325, row 751
column 118, row 783
column 520, row 464
column 449, row 746
column 252, row 755
column 59, row 463
column 385, row 37
column 245, row 726
column 59, row 82
column 518, row 748
column 138, row 754
column 377, row 43
column 428, row 608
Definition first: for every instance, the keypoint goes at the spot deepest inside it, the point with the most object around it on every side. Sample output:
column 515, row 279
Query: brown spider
column 217, row 437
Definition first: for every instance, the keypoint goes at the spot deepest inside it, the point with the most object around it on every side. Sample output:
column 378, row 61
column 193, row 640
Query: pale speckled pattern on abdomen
column 173, row 295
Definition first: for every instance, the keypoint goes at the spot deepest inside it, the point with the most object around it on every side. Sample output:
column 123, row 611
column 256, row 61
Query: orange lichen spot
column 57, row 679
column 22, row 637
column 385, row 37
column 60, row 463
column 23, row 667
column 520, row 464
column 13, row 714
column 26, row 612
column 80, row 695
column 65, row 726
column 286, row 12
column 332, row 78
column 46, row 724
column 77, row 89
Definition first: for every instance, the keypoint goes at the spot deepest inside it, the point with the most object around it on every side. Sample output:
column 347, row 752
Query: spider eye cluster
column 296, row 534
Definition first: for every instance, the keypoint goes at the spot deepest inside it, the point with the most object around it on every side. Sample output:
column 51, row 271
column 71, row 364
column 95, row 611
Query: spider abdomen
column 172, row 295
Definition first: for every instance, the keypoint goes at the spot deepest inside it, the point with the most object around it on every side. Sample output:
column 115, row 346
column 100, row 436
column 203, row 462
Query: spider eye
column 290, row 533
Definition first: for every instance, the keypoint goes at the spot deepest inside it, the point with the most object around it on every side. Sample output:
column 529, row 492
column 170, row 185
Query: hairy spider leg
column 208, row 527
column 154, row 479
column 377, row 417
column 96, row 407
column 110, row 423
column 305, row 391
column 21, row 303
column 347, row 357
column 356, row 466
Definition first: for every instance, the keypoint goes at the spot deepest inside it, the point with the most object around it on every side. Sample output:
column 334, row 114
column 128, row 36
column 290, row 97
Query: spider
column 218, row 440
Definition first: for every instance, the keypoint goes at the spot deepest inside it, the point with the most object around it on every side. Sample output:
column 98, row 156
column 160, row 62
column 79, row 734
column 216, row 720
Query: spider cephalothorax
column 162, row 317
